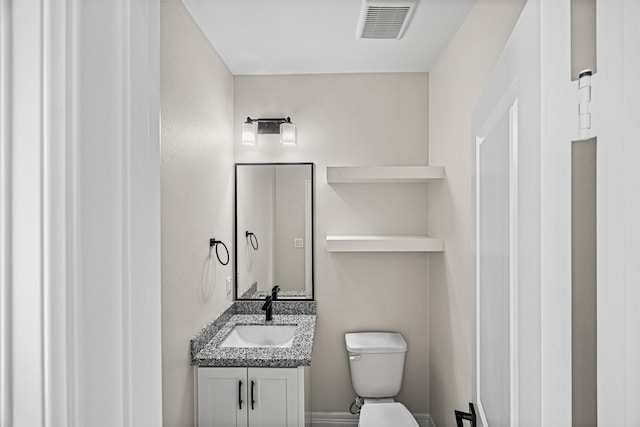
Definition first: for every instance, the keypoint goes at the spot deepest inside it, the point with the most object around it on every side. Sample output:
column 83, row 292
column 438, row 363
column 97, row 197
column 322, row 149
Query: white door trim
column 6, row 341
column 513, row 262
column 24, row 128
column 615, row 112
column 74, row 164
column 555, row 203
column 60, row 145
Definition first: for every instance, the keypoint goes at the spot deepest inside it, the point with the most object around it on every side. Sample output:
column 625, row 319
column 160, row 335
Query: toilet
column 376, row 360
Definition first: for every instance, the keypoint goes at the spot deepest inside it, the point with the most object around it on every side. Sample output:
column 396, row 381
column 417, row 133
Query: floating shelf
column 383, row 174
column 384, row 244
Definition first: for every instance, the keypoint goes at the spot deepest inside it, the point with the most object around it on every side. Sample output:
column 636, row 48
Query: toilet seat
column 386, row 415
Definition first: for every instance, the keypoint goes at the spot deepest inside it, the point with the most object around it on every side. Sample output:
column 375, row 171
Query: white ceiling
column 256, row 37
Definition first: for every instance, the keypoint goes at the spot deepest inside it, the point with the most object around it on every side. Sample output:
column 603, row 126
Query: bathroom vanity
column 251, row 397
column 249, row 372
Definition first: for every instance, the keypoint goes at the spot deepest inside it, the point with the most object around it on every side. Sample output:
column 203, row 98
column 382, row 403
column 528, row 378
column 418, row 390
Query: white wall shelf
column 378, row 243
column 383, row 174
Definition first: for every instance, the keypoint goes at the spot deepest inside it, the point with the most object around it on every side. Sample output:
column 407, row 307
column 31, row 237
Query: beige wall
column 372, row 119
column 197, row 195
column 456, row 82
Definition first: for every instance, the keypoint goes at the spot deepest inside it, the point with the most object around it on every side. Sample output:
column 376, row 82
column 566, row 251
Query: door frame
column 80, row 192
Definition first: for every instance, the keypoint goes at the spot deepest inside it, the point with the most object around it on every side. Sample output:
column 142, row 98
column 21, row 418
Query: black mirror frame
column 235, row 228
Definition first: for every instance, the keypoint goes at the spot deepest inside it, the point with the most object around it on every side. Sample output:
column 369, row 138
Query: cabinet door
column 222, row 397
column 273, row 397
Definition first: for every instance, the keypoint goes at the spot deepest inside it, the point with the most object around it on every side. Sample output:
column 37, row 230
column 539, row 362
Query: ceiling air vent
column 388, row 19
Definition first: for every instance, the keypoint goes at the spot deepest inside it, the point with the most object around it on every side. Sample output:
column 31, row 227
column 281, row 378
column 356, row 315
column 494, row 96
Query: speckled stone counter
column 206, row 350
column 253, row 293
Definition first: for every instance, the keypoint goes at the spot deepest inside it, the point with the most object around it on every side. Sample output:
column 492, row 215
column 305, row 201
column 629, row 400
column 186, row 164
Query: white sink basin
column 260, row 336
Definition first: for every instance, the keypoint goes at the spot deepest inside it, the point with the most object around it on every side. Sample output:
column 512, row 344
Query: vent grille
column 384, row 20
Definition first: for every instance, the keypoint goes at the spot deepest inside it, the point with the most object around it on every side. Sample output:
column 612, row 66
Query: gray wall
column 197, row 195
column 584, row 286
column 584, row 245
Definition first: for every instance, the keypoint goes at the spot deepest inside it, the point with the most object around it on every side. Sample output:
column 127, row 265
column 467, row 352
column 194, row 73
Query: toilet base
column 386, row 414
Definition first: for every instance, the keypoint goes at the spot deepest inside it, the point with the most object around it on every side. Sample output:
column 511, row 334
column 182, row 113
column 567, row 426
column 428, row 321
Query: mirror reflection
column 274, row 230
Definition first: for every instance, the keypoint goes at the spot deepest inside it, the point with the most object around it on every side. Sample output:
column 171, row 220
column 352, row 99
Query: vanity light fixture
column 249, row 132
column 252, row 127
column 287, row 133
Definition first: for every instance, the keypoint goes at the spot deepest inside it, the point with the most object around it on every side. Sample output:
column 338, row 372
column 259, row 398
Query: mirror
column 274, row 230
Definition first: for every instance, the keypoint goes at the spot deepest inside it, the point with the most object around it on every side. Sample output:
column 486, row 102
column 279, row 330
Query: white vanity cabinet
column 250, row 397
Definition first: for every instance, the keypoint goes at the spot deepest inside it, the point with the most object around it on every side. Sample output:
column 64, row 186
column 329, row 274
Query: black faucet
column 268, row 307
column 274, row 292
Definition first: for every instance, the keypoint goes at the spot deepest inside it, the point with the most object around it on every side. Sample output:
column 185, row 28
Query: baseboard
column 345, row 419
column 333, row 419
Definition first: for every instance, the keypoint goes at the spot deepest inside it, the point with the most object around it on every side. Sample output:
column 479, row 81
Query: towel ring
column 252, row 239
column 213, row 242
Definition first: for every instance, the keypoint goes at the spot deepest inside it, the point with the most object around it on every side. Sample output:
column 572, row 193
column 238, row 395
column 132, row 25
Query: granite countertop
column 254, row 293
column 206, row 350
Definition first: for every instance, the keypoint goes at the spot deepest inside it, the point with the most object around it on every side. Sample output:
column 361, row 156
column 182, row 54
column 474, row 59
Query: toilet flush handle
column 355, row 356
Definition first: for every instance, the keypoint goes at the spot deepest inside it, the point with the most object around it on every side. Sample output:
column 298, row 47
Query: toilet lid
column 386, row 415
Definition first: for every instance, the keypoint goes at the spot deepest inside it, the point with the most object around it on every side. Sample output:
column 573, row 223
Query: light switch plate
column 298, row 242
column 229, row 285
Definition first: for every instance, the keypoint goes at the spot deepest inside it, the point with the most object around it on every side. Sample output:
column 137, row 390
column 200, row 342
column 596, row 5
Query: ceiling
column 258, row 37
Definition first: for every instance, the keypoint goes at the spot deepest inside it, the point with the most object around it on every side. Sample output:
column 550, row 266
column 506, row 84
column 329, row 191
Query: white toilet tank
column 376, row 360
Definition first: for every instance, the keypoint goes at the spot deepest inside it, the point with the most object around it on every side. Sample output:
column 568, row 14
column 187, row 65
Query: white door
column 523, row 128
column 222, row 397
column 616, row 118
column 273, row 397
column 522, row 208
